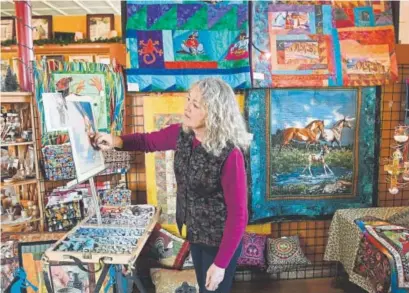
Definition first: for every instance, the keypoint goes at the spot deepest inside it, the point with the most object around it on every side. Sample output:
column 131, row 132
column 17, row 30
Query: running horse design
column 319, row 158
column 310, row 134
column 334, row 134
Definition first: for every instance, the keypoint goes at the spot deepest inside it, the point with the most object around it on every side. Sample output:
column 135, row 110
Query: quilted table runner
column 383, row 256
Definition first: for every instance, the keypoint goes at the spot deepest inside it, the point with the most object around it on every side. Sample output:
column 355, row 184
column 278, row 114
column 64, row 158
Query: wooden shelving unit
column 28, row 190
column 113, row 50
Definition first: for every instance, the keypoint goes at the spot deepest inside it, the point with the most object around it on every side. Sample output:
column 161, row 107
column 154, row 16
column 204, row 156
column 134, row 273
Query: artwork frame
column 104, row 59
column 29, row 255
column 81, row 58
column 93, row 32
column 45, row 22
column 8, row 28
column 88, row 161
column 265, row 207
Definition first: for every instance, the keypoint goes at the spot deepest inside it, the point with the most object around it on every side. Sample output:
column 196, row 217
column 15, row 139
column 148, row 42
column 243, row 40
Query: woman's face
column 195, row 112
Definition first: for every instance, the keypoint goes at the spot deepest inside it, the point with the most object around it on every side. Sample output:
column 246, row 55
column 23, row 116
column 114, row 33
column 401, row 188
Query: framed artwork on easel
column 88, row 161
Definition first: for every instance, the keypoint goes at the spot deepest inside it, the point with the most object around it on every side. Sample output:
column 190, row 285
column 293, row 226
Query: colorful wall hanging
column 161, row 111
column 338, row 43
column 172, row 44
column 316, row 152
column 103, row 83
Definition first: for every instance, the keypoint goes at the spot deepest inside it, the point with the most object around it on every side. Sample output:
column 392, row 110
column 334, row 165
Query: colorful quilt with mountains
column 172, row 44
column 322, row 43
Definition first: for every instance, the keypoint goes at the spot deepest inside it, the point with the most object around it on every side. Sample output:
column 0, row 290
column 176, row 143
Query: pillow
column 284, row 254
column 400, row 219
column 167, row 249
column 173, row 281
column 252, row 252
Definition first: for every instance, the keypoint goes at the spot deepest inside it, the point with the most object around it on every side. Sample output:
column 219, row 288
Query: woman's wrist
column 118, row 142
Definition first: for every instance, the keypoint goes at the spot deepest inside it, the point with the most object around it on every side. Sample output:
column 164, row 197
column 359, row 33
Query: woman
column 210, row 174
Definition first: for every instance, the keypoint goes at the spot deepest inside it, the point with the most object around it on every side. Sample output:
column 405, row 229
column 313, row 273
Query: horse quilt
column 172, row 44
column 315, row 152
column 383, row 255
column 322, row 43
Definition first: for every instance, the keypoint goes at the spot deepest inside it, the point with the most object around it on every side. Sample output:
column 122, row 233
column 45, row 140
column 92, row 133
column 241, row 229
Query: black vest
column 200, row 200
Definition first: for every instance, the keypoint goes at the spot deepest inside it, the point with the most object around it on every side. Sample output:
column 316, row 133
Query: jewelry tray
column 119, row 240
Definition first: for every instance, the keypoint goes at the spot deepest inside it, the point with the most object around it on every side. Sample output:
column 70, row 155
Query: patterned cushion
column 169, row 251
column 401, row 218
column 284, row 254
column 252, row 252
column 173, row 281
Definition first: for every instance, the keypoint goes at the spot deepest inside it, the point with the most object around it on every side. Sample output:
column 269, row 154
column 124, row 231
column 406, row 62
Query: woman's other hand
column 105, row 141
column 214, row 277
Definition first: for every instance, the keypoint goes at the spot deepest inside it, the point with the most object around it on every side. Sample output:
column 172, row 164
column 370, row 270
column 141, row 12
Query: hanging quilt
column 172, row 44
column 161, row 111
column 315, row 151
column 322, row 43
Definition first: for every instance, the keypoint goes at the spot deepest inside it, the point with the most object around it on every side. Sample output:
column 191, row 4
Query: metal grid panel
column 393, row 114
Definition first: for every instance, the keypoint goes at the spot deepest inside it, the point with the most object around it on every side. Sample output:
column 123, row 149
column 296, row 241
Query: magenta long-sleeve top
column 233, row 179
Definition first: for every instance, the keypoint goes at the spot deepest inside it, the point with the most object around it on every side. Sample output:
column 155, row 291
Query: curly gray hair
column 224, row 122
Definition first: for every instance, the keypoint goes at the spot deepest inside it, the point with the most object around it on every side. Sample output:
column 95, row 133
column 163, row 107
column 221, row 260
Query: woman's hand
column 214, row 277
column 105, row 141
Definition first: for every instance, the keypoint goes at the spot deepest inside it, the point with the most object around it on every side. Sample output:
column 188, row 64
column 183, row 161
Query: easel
column 116, row 276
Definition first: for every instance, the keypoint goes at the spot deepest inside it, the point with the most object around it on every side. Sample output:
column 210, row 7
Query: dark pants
column 203, row 256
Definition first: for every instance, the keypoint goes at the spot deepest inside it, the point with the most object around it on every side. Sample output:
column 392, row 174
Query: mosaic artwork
column 160, row 111
column 172, row 44
column 315, row 152
column 63, row 216
column 131, row 216
column 321, row 43
column 102, row 240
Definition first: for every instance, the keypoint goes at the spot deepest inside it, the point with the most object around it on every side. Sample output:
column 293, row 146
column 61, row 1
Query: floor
column 322, row 285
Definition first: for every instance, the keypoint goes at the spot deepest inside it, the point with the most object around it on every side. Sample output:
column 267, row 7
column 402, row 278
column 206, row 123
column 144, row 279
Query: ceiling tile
column 41, row 4
column 6, row 5
column 64, row 4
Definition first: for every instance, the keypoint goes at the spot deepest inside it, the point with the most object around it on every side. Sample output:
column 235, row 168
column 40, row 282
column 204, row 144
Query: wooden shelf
column 114, row 50
column 18, row 183
column 17, row 143
column 15, row 97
